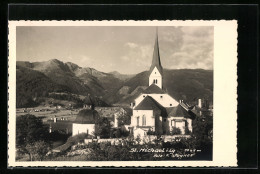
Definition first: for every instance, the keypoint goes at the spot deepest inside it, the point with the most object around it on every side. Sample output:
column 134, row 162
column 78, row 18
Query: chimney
column 199, row 103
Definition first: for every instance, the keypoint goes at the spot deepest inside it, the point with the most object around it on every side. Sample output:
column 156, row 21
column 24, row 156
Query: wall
column 149, row 117
column 83, row 128
column 186, row 122
column 139, row 132
column 155, row 75
column 165, row 100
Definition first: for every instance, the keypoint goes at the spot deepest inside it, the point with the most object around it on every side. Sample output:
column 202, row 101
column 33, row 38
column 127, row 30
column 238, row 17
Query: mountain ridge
column 113, row 87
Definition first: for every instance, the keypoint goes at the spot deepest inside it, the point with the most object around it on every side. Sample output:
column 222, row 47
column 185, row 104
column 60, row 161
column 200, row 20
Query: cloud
column 191, row 48
column 131, row 45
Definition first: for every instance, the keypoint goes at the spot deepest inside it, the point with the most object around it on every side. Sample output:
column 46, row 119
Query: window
column 161, row 96
column 164, row 120
column 144, row 96
column 137, row 121
column 144, row 120
column 170, row 104
column 156, row 81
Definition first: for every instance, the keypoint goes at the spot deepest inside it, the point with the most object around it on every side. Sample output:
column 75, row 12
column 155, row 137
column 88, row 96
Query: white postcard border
column 224, row 99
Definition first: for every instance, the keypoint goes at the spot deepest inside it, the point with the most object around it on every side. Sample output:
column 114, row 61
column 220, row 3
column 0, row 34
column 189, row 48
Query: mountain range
column 34, row 79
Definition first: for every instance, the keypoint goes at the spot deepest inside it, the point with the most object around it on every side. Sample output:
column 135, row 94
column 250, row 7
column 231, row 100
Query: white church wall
column 149, row 120
column 83, row 128
column 155, row 75
column 164, row 99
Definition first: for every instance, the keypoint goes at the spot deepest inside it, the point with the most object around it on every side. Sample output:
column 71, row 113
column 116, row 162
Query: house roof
column 153, row 89
column 156, row 62
column 87, row 116
column 179, row 111
column 149, row 103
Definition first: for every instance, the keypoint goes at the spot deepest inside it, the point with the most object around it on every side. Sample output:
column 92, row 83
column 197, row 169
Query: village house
column 86, row 119
column 155, row 109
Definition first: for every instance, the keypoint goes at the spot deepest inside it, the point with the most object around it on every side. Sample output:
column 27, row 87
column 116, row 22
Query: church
column 155, row 110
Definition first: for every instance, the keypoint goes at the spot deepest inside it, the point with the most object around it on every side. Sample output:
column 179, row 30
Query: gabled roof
column 149, row 103
column 156, row 62
column 179, row 111
column 153, row 89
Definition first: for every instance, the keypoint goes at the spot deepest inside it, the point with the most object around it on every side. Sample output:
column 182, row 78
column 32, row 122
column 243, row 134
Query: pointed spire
column 156, row 62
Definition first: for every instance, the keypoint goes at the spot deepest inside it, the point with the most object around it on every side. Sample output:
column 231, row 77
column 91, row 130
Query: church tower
column 156, row 70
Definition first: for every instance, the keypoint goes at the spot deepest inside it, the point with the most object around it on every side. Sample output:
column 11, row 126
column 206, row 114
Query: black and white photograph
column 110, row 93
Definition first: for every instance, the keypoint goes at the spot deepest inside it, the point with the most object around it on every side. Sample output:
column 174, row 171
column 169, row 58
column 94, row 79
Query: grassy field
column 48, row 113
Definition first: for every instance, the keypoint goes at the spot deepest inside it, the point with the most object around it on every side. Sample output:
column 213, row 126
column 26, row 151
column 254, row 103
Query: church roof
column 179, row 111
column 149, row 103
column 87, row 116
column 156, row 62
column 153, row 89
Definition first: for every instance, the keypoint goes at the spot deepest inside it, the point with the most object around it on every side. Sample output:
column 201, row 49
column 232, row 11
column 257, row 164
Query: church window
column 156, row 81
column 144, row 120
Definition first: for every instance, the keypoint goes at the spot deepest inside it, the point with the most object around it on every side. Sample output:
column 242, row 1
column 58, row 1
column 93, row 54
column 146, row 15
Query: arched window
column 156, row 81
column 144, row 120
column 137, row 121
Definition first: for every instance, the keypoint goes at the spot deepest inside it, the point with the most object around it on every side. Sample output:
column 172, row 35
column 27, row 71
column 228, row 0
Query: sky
column 127, row 50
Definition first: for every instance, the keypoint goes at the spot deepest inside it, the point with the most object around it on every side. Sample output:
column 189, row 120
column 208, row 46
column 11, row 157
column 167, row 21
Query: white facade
column 164, row 99
column 181, row 123
column 83, row 128
column 138, row 132
column 156, row 78
column 143, row 118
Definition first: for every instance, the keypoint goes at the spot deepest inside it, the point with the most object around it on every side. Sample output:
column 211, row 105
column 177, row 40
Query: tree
column 103, row 128
column 37, row 150
column 124, row 119
column 202, row 135
column 29, row 129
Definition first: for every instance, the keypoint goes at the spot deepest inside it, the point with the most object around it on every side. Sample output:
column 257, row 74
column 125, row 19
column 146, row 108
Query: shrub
column 79, row 138
column 150, row 132
column 187, row 131
column 176, row 131
column 37, row 150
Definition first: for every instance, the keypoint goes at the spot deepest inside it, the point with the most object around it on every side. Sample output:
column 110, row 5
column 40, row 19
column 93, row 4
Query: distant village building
column 157, row 111
column 86, row 119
